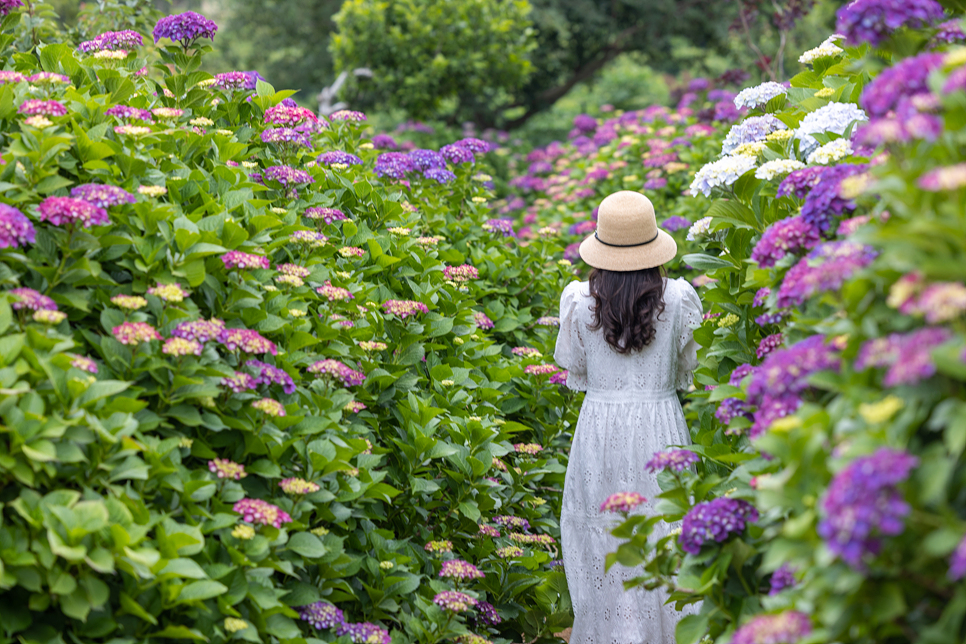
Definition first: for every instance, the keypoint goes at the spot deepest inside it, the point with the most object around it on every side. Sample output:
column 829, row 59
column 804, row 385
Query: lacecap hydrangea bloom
column 484, row 322
column 226, row 469
column 327, row 215
column 287, row 176
column 831, row 152
column 404, row 308
column 296, row 486
column 180, row 347
column 454, row 601
column 863, row 504
column 363, row 633
column 199, row 330
column 338, row 157
column 37, row 107
column 258, row 511
column 238, row 259
column 777, row 168
column 268, row 375
column 134, row 333
column 28, row 298
column 330, row 367
column 826, row 268
column 102, row 196
column 461, row 273
column 908, row 356
column 512, row 522
column 84, row 364
column 246, row 341
column 459, row 569
column 784, row 237
column 439, row 546
column 755, row 128
column 827, row 49
column 168, row 292
column 321, row 615
column 714, row 520
column 781, row 579
column 799, row 183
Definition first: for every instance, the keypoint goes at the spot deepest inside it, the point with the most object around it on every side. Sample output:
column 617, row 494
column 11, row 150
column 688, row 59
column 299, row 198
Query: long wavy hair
column 627, row 306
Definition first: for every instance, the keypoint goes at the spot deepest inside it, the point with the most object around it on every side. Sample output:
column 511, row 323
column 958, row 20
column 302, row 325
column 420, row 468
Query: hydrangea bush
column 830, row 411
column 250, row 365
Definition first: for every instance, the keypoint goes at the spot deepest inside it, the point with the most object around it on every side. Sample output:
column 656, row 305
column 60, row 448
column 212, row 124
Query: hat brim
column 629, row 258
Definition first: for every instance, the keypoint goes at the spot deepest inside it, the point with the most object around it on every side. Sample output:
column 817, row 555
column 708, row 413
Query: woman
column 625, row 337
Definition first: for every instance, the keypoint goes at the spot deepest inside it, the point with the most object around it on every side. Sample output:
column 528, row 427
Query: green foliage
column 461, row 60
column 113, row 523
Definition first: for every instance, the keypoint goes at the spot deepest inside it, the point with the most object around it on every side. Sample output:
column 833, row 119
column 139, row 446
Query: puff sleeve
column 689, row 319
column 569, row 352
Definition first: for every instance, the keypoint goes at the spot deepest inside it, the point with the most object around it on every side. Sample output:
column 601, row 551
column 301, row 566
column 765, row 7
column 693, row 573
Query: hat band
column 626, row 245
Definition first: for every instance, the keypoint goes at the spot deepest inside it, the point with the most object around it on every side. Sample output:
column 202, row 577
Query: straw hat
column 627, row 237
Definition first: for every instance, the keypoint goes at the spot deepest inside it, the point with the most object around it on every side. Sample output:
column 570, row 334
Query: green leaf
column 307, row 545
column 704, row 262
column 691, row 629
column 200, row 590
column 180, row 633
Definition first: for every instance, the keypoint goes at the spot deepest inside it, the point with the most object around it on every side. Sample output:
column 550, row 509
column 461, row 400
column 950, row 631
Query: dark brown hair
column 627, row 305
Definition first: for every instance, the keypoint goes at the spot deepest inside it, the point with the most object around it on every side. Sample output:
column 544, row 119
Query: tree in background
column 457, row 60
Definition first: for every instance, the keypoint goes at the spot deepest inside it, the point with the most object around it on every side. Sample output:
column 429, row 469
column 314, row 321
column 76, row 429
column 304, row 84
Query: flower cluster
column 622, row 502
column 827, row 49
column 784, row 237
column 238, row 259
column 540, row 369
column 199, row 330
column 777, row 168
column 15, row 229
column 824, row 269
column 721, row 173
column 483, row 321
column 676, row 460
column 67, row 211
column 37, row 107
column 134, row 333
column 102, row 196
column 296, row 486
column 783, row 628
column 756, row 128
column 239, row 382
column 184, row 28
column 528, row 448
column 404, row 308
column 394, row 165
column 459, row 569
column 286, row 136
column 246, row 341
column 831, row 152
column 502, row 226
column 439, row 547
column 363, row 633
column 908, row 356
column 321, row 615
column 753, row 97
column 768, row 344
column 83, row 363
column 781, row 579
column 530, row 539
column 180, row 347
column 944, row 178
column 509, row 552
column 863, row 504
column 330, row 367
column 872, row 21
column 338, row 157
column 461, row 273
column 512, row 522
column 334, row 293
column 226, row 469
column 269, row 407
column 454, row 601
column 168, row 292
column 714, row 520
column 287, row 176
column 267, row 375
column 834, row 117
column 347, row 115
column 800, row 182
column 327, row 215
column 287, row 116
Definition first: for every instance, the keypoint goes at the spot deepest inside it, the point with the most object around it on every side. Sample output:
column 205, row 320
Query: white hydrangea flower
column 751, row 97
column 835, row 117
column 826, row 50
column 831, row 152
column 778, row 168
column 722, row 172
column 700, row 227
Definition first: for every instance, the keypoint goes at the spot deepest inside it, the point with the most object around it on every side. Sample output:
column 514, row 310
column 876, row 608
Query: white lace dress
column 630, row 412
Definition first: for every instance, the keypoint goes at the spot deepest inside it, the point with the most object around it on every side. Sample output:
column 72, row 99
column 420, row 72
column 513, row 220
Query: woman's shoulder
column 576, row 290
column 680, row 290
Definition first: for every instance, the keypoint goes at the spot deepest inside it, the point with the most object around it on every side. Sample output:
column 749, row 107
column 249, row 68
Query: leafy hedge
column 213, row 412
column 828, row 505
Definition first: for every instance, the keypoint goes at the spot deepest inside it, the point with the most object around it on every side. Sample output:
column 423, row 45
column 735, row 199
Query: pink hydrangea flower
column 225, row 469
column 258, row 511
column 134, row 333
column 622, row 502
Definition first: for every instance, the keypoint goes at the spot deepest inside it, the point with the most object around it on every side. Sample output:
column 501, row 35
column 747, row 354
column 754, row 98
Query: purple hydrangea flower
column 760, row 296
column 384, row 142
column 130, row 113
column 824, row 269
column 287, row 176
column 334, row 157
column 784, row 237
column 102, row 196
column 347, row 115
column 286, row 136
column 36, row 106
column 6, row 6
column 862, row 505
column 327, row 215
column 476, row 146
column 677, row 460
column 457, row 154
column 66, row 211
column 503, row 226
column 824, row 203
column 363, row 633
column 714, row 521
column 957, row 563
column 267, row 374
column 732, row 408
column 949, row 32
column 903, row 80
column 786, row 371
column 908, row 356
column 258, row 511
column 321, row 615
column 184, row 28
column 781, row 579
column 440, row 175
column 800, row 182
column 486, row 614
column 231, row 80
column 425, row 159
column 15, row 229
column 112, row 40
column 871, row 21
column 28, row 298
column 673, row 224
column 394, row 165
column 768, row 344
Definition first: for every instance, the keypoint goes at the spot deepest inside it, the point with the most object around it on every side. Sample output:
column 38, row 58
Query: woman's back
column 661, row 367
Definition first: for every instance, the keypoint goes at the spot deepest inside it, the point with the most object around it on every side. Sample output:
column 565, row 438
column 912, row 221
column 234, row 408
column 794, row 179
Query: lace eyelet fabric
column 630, row 412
